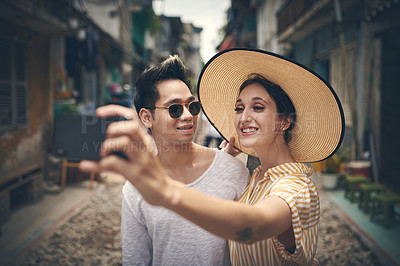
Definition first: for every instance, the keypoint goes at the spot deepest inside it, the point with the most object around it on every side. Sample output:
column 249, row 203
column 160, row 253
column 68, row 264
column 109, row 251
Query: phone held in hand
column 79, row 137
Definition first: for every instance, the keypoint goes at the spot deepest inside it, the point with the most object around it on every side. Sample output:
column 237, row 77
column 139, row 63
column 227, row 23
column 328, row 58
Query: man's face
column 168, row 131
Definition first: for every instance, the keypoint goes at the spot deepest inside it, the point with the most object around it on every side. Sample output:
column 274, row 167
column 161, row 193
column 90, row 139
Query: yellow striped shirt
column 289, row 181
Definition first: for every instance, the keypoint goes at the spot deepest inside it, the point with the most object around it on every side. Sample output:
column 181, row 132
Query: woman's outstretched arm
column 227, row 219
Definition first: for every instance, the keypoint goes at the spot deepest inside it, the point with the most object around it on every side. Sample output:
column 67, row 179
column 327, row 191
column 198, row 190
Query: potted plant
column 331, row 168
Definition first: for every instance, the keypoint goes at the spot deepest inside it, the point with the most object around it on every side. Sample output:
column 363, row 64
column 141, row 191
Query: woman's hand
column 141, row 167
column 229, row 147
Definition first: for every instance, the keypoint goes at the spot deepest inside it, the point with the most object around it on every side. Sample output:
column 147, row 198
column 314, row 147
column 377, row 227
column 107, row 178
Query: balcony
column 298, row 18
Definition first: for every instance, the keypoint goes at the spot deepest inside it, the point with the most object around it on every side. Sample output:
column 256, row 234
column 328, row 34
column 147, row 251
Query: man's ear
column 146, row 117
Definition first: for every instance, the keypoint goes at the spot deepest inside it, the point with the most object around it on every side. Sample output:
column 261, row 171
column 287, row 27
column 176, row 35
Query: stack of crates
column 4, row 207
column 29, row 192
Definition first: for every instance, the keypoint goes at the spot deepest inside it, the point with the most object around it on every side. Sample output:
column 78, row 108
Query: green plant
column 334, row 162
column 65, row 108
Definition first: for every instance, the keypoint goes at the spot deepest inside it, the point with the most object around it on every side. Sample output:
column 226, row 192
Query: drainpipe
column 361, row 85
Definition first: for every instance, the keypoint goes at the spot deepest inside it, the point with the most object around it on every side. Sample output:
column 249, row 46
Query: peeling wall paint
column 27, row 152
column 28, row 146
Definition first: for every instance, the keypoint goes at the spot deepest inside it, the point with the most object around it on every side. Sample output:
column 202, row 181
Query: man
column 154, row 235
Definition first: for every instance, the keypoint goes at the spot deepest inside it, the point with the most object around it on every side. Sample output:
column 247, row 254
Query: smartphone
column 79, row 137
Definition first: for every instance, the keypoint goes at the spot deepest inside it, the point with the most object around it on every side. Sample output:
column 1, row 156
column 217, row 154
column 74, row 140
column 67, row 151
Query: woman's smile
column 246, row 131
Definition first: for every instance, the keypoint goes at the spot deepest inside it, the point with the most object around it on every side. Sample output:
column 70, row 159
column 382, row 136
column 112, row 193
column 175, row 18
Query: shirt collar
column 284, row 170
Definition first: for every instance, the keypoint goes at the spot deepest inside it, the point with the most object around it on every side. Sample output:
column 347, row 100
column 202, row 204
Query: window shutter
column 5, row 106
column 13, row 84
column 5, row 60
column 21, row 85
column 21, row 106
column 6, row 98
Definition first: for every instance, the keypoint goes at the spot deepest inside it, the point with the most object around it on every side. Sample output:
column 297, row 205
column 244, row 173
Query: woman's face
column 256, row 120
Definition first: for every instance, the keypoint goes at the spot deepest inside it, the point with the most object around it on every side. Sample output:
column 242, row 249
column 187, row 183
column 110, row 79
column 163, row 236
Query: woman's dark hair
column 284, row 105
column 146, row 93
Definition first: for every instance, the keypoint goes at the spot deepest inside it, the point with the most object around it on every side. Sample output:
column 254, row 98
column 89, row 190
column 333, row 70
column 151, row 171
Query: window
column 13, row 85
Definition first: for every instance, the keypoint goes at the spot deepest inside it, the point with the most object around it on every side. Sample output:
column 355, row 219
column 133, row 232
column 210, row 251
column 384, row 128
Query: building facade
column 352, row 45
column 71, row 56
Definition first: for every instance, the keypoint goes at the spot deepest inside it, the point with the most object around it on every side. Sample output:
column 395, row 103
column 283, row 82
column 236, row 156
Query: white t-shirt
column 157, row 236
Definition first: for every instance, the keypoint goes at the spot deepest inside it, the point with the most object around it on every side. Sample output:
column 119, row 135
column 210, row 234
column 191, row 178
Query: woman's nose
column 246, row 115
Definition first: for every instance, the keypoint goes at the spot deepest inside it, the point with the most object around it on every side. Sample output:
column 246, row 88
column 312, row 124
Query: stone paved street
column 91, row 236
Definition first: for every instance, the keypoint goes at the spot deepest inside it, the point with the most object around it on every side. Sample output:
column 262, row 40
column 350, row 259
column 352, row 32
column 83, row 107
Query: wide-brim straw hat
column 319, row 127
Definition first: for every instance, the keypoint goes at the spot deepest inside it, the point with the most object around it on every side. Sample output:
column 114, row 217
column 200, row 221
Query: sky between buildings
column 207, row 14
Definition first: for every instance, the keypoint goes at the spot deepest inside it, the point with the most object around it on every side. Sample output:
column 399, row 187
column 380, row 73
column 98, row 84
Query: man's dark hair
column 146, row 93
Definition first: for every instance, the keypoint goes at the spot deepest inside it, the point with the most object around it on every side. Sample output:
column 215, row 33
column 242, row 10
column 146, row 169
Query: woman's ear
column 285, row 123
column 146, row 117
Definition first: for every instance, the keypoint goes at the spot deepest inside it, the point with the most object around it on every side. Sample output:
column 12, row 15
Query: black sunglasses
column 176, row 109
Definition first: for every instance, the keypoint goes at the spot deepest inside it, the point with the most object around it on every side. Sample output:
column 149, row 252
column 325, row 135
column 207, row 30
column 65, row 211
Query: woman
column 285, row 115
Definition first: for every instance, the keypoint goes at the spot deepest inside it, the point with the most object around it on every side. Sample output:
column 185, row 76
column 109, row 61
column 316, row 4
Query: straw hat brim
column 319, row 127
